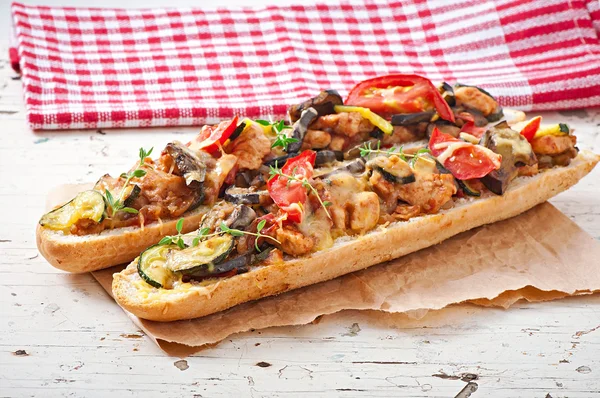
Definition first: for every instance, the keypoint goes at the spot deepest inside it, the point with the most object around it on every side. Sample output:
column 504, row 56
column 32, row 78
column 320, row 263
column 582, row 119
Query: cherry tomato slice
column 211, row 137
column 392, row 94
column 531, row 128
column 291, row 196
column 469, row 127
column 467, row 162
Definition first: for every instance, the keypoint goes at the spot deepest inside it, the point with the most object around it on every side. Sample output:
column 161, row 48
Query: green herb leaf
column 261, row 225
column 263, row 122
column 123, row 175
column 167, row 240
column 130, row 210
column 327, row 203
column 179, row 225
column 204, row 231
column 139, row 173
column 109, row 197
column 181, row 243
column 195, row 241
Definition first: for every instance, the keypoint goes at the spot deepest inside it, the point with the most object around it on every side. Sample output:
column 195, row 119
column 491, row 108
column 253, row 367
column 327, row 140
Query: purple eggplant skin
column 515, row 151
column 326, row 157
column 241, row 217
column 404, row 119
column 322, row 103
column 239, row 263
column 245, row 196
column 300, row 128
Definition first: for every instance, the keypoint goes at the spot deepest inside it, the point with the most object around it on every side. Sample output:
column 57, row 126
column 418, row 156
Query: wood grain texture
column 60, row 334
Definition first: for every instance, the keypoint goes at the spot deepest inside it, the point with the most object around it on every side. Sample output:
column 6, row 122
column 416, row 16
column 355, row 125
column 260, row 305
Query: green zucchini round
column 151, row 265
column 201, row 258
column 86, row 205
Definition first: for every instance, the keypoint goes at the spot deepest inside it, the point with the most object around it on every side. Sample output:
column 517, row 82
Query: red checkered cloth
column 90, row 68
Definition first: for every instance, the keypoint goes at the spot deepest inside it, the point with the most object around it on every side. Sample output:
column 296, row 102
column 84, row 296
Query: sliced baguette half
column 85, row 253
column 347, row 255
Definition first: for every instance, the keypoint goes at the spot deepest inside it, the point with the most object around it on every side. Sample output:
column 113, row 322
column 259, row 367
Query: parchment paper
column 538, row 256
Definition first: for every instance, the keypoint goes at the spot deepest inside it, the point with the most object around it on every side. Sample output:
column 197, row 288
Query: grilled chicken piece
column 347, row 124
column 250, row 148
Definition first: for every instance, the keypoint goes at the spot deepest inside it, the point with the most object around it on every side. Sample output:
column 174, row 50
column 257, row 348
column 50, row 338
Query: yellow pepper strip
column 555, row 129
column 371, row 116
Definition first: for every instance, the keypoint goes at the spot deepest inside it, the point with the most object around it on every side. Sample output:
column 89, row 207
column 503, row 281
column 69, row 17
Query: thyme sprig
column 274, row 172
column 282, row 139
column 367, row 150
column 177, row 239
column 204, row 233
column 116, row 205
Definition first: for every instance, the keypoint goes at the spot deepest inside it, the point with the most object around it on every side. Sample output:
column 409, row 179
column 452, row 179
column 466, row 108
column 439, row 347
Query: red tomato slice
column 469, row 127
column 468, row 161
column 531, row 128
column 291, row 196
column 392, row 94
column 211, row 137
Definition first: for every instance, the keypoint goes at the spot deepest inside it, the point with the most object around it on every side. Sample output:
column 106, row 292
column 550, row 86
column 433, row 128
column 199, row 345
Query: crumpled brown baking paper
column 538, row 256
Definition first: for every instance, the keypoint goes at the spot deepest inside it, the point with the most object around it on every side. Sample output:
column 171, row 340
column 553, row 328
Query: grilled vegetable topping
column 468, row 189
column 241, row 217
column 151, row 265
column 322, row 103
column 393, row 169
column 246, row 196
column 200, row 259
column 327, row 157
column 403, row 119
column 189, row 164
column 515, row 152
column 87, row 205
column 556, row 129
column 300, row 128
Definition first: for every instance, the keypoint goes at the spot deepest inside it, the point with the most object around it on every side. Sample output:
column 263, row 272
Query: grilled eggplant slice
column 322, row 103
column 280, row 161
column 405, row 119
column 189, row 163
column 246, row 196
column 241, row 217
column 301, row 127
column 239, row 264
column 131, row 194
column 151, row 265
column 238, row 130
column 515, row 151
column 447, row 93
column 200, row 259
column 327, row 157
column 88, row 205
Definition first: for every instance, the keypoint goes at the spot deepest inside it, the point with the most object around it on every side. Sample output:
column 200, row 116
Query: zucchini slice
column 555, row 129
column 86, row 205
column 151, row 265
column 201, row 258
column 468, row 189
column 393, row 169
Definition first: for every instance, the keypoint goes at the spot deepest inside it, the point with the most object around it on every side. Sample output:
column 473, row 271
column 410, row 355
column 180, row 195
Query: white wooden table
column 61, row 335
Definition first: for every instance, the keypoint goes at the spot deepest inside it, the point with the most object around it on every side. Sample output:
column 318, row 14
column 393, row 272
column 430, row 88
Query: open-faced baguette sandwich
column 120, row 217
column 343, row 189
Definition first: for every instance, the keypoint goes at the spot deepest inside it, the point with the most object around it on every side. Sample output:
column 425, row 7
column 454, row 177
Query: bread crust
column 87, row 253
column 347, row 255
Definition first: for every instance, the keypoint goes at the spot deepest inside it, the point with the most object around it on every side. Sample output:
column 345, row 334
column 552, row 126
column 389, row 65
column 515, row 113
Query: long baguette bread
column 348, row 254
column 87, row 253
